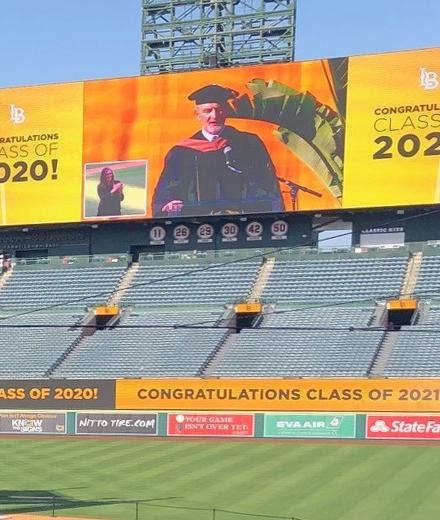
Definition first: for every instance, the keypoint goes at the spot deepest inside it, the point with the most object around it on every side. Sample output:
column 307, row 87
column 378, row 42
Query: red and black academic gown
column 233, row 174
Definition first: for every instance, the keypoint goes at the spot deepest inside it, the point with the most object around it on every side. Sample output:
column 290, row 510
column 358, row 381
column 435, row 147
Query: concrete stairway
column 227, row 320
column 411, row 275
column 378, row 317
column 262, row 279
column 4, row 278
column 423, row 312
column 383, row 354
column 124, row 284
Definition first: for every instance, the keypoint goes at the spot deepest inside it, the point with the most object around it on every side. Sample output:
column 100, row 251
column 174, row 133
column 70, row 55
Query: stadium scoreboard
column 344, row 133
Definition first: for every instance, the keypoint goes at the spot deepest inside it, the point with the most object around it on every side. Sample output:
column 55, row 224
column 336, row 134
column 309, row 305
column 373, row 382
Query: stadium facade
column 116, row 206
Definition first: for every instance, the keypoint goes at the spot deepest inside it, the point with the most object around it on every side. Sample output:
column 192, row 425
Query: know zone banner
column 28, row 423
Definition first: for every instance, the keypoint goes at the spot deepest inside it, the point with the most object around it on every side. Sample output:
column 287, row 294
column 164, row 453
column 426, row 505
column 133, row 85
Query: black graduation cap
column 212, row 94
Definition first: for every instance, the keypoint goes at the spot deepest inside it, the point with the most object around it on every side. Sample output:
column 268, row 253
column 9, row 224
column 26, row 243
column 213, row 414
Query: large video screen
column 320, row 135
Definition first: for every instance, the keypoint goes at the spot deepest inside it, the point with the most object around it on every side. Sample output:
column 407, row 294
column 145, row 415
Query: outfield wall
column 222, row 425
column 277, row 409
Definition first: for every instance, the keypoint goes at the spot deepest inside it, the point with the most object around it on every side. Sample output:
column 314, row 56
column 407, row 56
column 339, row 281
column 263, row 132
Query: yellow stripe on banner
column 437, row 186
column 286, row 395
column 3, row 204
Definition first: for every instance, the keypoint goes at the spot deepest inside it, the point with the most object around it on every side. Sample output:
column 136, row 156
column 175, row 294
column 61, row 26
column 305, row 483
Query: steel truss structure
column 179, row 35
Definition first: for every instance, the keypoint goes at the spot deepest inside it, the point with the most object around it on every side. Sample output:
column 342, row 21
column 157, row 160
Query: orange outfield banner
column 287, row 395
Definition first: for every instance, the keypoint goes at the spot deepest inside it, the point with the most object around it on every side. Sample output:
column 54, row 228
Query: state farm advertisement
column 211, row 424
column 403, row 427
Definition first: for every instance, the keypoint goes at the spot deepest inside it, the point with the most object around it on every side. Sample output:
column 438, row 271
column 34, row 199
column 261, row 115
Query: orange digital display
column 319, row 135
column 392, row 151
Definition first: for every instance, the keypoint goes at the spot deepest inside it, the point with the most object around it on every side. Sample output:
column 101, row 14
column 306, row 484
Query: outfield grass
column 307, row 481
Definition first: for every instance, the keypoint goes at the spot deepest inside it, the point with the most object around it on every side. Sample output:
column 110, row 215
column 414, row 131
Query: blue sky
column 48, row 41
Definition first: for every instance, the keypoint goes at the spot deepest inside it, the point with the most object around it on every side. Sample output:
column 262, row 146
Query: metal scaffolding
column 180, row 35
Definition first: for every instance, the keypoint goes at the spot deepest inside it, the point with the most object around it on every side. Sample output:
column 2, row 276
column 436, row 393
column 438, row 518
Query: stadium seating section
column 28, row 348
column 303, row 353
column 191, row 283
column 155, row 351
column 30, row 289
column 428, row 284
column 322, row 316
column 335, row 280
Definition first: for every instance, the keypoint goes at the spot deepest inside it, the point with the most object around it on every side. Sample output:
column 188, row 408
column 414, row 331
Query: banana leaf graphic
column 312, row 131
column 338, row 80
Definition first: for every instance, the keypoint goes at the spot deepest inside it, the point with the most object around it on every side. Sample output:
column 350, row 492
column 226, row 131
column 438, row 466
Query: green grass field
column 306, row 481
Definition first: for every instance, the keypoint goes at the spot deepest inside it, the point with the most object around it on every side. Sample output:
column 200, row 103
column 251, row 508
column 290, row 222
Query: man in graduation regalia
column 219, row 170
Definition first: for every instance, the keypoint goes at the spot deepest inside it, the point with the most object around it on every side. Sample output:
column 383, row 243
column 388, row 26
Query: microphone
column 227, row 150
column 298, row 187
